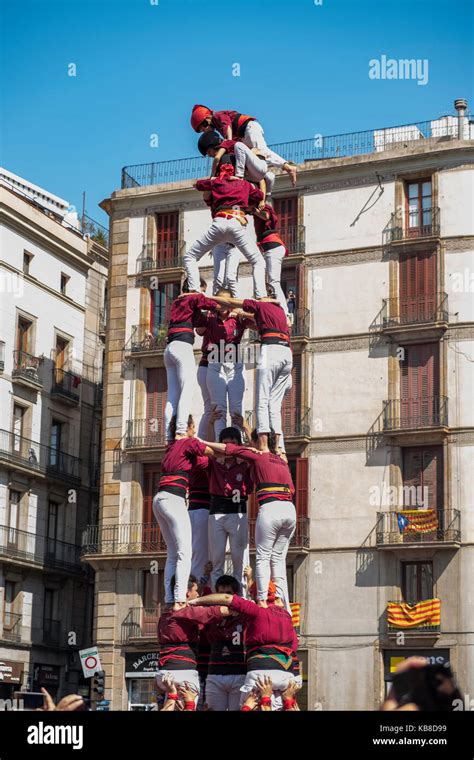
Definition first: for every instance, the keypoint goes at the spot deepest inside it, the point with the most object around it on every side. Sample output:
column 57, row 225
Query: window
column 27, row 259
column 61, row 356
column 49, row 608
column 419, row 207
column 417, row 581
column 418, row 287
column 161, row 300
column 156, row 396
column 151, row 598
column 18, row 421
column 167, row 243
column 63, row 284
column 8, row 605
column 52, row 529
column 287, row 211
column 419, row 371
column 55, row 442
column 23, row 335
column 13, row 516
column 423, row 477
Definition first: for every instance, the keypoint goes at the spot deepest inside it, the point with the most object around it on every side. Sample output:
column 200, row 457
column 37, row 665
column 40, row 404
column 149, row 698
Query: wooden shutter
column 418, row 287
column 156, row 394
column 420, row 385
column 301, row 486
column 423, row 468
column 167, row 237
column 150, row 528
column 287, row 212
column 291, row 404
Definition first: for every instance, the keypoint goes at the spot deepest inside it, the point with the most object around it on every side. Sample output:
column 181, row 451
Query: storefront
column 140, row 673
column 11, row 673
column 393, row 657
column 47, row 676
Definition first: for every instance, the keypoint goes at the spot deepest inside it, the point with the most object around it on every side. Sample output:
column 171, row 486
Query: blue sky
column 142, row 64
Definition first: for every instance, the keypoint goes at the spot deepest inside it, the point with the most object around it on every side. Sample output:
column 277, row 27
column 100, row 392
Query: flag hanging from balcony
column 420, row 615
column 295, row 613
column 417, row 521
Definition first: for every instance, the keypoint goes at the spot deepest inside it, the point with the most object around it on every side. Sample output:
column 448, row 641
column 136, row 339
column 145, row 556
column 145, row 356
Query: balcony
column 24, row 454
column 412, row 621
column 159, row 256
column 294, row 238
column 413, row 414
column 296, row 422
column 66, row 386
column 140, row 623
column 51, row 632
column 145, row 434
column 38, row 550
column 419, row 316
column 299, row 330
column 12, row 627
column 123, row 539
column 299, row 541
column 420, row 224
column 447, row 532
column 26, row 369
column 146, row 341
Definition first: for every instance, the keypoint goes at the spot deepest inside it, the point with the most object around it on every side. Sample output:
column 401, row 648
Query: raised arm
column 221, row 600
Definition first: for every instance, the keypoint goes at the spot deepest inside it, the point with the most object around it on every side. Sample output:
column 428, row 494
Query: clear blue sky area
column 142, row 64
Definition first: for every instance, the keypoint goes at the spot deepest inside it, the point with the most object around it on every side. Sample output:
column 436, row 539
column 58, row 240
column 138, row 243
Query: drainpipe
column 460, row 105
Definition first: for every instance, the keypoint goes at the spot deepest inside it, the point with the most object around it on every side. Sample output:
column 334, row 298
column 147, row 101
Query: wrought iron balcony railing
column 126, row 538
column 31, row 547
column 419, row 223
column 96, row 231
column 446, row 529
column 144, row 339
column 66, row 385
column 300, row 151
column 140, row 623
column 301, row 324
column 51, row 631
column 12, row 626
column 37, row 457
column 415, row 413
column 26, row 367
column 414, row 310
column 145, row 433
column 157, row 256
column 296, row 421
column 294, row 238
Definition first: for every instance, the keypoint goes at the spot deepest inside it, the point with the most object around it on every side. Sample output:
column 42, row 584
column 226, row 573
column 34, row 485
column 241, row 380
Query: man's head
column 227, row 584
column 224, row 311
column 190, row 430
column 185, row 285
column 230, row 435
column 291, row 294
column 192, row 592
column 209, row 143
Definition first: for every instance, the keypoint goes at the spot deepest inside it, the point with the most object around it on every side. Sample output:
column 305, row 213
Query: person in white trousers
column 226, row 258
column 229, row 202
column 266, row 224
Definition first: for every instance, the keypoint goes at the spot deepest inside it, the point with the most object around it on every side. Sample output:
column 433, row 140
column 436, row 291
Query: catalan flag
column 420, row 615
column 295, row 613
column 417, row 521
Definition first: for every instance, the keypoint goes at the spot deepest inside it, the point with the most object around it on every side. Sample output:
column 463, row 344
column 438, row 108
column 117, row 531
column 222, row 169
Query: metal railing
column 295, row 420
column 294, row 238
column 143, row 339
column 145, row 433
column 26, row 366
column 96, row 231
column 299, row 540
column 51, row 631
column 126, row 538
column 447, row 531
column 421, row 627
column 66, row 384
column 413, row 310
column 419, row 223
column 140, row 623
column 12, row 626
column 31, row 547
column 157, row 256
column 301, row 324
column 300, row 151
column 38, row 457
column 424, row 412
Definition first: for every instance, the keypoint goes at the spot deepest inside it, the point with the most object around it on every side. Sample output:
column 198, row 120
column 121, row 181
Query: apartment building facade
column 381, row 247
column 52, row 331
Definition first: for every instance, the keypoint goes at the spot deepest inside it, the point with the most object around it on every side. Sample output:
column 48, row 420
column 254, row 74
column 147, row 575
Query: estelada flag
column 295, row 613
column 417, row 520
column 404, row 615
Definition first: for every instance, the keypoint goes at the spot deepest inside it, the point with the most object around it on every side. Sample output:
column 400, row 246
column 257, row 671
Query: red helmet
column 198, row 115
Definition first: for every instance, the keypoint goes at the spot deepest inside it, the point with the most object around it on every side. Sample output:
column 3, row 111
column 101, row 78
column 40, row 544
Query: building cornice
column 38, row 284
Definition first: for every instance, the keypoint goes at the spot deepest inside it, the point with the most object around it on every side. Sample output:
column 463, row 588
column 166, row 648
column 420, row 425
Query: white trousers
column 276, row 523
column 273, row 261
column 204, row 423
column 226, row 387
column 235, row 528
column 273, row 371
column 199, row 531
column 226, row 262
column 223, row 692
column 172, row 516
column 254, row 168
column 179, row 676
column 226, row 231
column 180, row 377
column 280, row 680
column 254, row 138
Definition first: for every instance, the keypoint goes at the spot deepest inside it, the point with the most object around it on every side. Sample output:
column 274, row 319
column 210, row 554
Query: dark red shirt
column 221, row 120
column 178, row 635
column 226, row 193
column 199, row 496
column 271, row 474
column 228, row 483
column 266, row 231
column 227, row 640
column 228, row 330
column 184, row 313
column 179, row 459
column 270, row 320
column 269, row 635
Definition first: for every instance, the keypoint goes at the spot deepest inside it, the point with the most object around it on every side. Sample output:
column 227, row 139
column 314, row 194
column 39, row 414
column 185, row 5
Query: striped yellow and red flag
column 404, row 615
column 295, row 613
column 419, row 520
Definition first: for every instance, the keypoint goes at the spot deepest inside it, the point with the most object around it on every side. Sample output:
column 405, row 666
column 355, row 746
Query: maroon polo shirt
column 271, row 474
column 178, row 635
column 266, row 231
column 199, row 496
column 270, row 320
column 183, row 314
column 179, row 459
column 226, row 637
column 221, row 120
column 228, row 330
column 225, row 483
column 227, row 194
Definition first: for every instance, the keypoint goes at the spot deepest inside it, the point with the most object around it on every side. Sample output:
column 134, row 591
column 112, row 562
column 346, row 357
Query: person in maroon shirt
column 230, row 483
column 270, row 638
column 179, row 356
column 276, row 519
column 237, row 126
column 273, row 376
column 273, row 248
column 178, row 635
column 171, row 512
column 229, row 201
column 199, row 501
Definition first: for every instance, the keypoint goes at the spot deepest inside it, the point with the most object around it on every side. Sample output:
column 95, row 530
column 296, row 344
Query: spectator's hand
column 391, row 701
column 48, row 704
column 265, row 686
